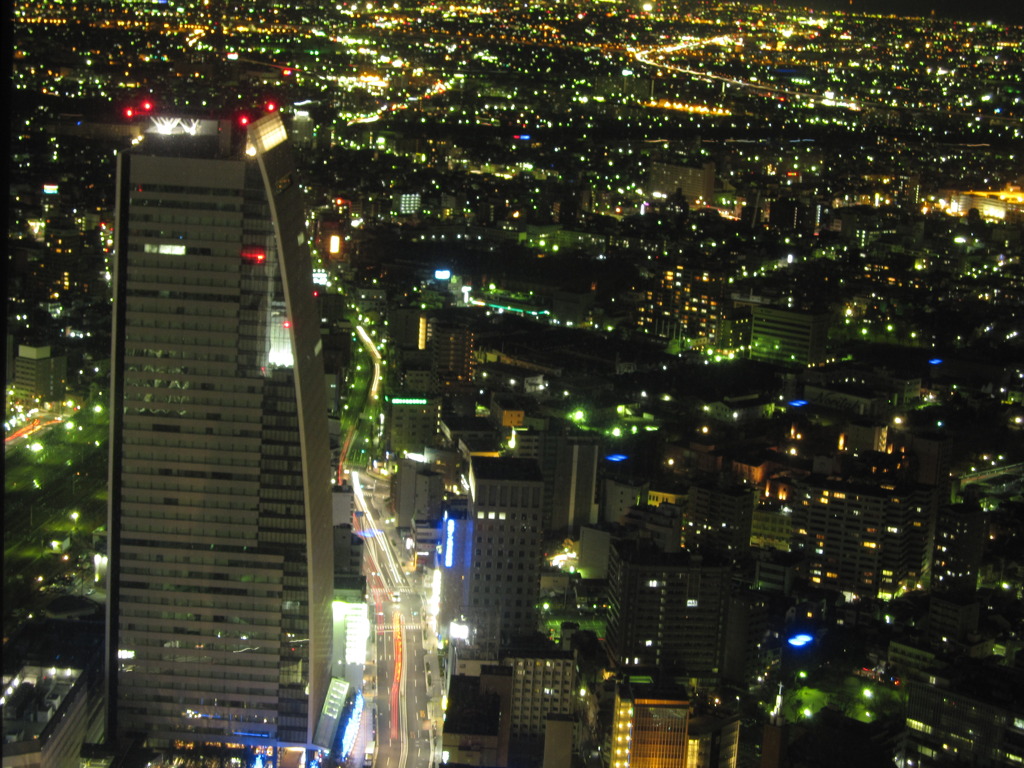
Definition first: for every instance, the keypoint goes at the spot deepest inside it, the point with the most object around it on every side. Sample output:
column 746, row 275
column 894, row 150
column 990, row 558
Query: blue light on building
column 348, row 737
column 799, row 641
column 449, row 543
column 616, row 457
column 797, row 403
column 259, row 757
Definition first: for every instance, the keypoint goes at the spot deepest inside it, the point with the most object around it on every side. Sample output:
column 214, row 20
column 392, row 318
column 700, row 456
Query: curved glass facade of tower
column 220, row 575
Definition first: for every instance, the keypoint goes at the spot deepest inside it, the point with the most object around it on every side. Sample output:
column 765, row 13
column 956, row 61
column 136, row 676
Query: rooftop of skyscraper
column 488, row 468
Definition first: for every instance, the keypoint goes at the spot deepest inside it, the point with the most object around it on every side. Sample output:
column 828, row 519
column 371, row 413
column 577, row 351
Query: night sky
column 1007, row 11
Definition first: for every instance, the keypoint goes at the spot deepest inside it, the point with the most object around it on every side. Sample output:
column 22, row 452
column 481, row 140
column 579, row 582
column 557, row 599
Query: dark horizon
column 1002, row 11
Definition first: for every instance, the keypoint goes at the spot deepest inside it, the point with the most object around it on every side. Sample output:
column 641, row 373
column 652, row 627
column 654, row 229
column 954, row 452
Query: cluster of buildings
column 820, row 503
column 697, row 410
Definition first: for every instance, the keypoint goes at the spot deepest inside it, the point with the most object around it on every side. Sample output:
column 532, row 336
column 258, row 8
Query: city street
column 406, row 709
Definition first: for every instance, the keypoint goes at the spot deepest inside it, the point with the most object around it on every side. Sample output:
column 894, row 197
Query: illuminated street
column 404, row 732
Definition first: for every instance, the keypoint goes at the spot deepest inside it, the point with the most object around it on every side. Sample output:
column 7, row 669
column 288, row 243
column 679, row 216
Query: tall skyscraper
column 220, row 578
column 493, row 563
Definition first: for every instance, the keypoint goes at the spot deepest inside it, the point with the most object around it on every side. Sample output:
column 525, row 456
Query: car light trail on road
column 375, row 354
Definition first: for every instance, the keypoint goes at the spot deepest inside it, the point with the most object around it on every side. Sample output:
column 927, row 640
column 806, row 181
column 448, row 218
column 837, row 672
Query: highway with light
column 404, row 734
column 654, row 57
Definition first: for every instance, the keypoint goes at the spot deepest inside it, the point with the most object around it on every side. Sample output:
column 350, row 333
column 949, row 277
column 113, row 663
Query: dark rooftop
column 469, row 710
column 486, row 468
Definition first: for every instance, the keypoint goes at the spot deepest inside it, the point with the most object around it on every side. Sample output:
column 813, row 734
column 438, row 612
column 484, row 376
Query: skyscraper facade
column 220, row 577
column 502, row 577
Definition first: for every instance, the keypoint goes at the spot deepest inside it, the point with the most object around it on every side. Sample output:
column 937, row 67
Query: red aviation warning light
column 243, row 120
column 253, row 254
column 270, row 106
column 129, row 112
column 147, row 106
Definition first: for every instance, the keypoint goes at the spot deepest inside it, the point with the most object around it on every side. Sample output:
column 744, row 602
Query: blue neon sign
column 449, row 543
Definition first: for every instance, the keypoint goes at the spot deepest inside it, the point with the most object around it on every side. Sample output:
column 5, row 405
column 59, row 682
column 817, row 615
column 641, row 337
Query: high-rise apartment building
column 667, row 609
column 417, row 493
column 865, row 539
column 719, row 518
column 569, row 459
column 961, row 531
column 451, row 342
column 220, row 579
column 789, row 336
column 39, row 373
column 713, row 741
column 974, row 718
column 543, row 684
column 574, row 482
column 695, row 183
column 689, row 301
column 414, row 422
